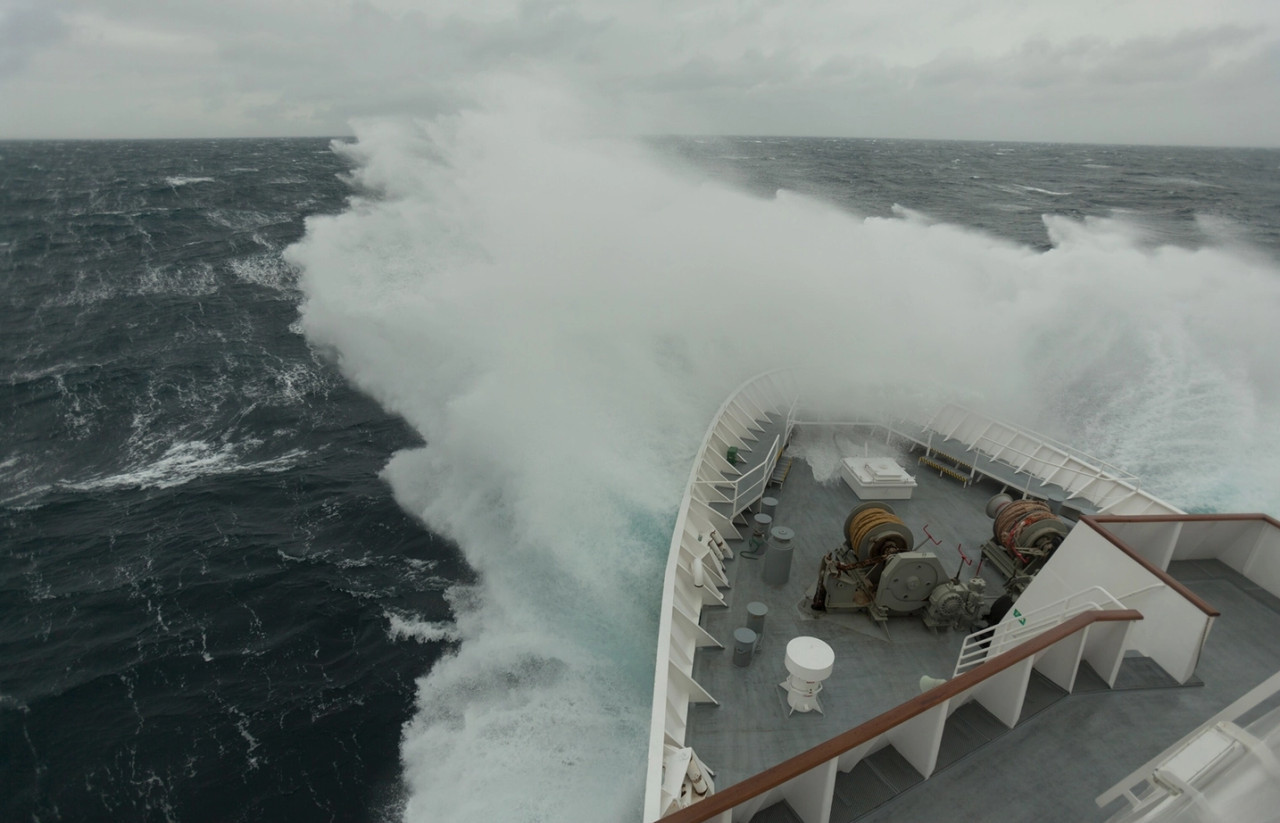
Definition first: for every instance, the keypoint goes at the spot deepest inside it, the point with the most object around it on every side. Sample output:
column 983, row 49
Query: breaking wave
column 408, row 627
column 183, row 462
column 557, row 315
column 182, row 180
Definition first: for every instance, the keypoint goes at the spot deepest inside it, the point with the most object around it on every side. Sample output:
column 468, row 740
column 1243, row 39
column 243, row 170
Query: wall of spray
column 558, row 314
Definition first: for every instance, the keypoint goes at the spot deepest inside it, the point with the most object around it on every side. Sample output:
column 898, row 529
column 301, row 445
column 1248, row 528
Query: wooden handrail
column 1226, row 517
column 1098, row 522
column 775, row 776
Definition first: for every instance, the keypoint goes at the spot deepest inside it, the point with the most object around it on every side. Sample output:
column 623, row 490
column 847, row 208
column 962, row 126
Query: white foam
column 184, row 461
column 265, row 270
column 558, row 316
column 242, row 721
column 408, row 627
column 194, row 280
column 243, row 219
column 183, row 180
column 1018, row 188
column 1038, row 190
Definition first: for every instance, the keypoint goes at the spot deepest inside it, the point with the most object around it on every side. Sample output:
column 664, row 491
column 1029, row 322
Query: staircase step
column 894, row 769
column 968, row 727
column 780, row 471
column 1041, row 694
column 1137, row 672
column 858, row 791
column 1088, row 680
column 780, row 812
column 882, row 776
column 877, row 778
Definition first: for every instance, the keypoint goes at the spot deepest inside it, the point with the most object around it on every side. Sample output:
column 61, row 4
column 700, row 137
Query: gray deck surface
column 1066, row 749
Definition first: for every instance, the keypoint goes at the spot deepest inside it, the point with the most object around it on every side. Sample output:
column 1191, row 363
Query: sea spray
column 557, row 315
column 553, row 457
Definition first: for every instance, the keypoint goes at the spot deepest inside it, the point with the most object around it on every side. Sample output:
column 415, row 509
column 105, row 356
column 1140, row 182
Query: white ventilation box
column 877, row 478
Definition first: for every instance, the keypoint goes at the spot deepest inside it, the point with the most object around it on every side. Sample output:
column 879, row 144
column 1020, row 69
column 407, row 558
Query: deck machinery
column 875, row 569
column 1025, row 534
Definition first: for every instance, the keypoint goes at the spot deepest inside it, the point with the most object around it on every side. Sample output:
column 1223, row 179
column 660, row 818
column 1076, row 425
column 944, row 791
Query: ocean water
column 203, row 581
column 337, row 479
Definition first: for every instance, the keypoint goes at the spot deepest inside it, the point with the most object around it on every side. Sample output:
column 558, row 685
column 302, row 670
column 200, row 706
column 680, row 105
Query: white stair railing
column 748, row 487
column 986, row 643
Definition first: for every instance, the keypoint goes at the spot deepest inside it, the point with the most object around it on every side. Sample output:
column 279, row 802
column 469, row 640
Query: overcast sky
column 1132, row 71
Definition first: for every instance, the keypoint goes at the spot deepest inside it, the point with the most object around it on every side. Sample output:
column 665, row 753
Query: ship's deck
column 877, row 665
column 1086, row 741
column 1051, row 767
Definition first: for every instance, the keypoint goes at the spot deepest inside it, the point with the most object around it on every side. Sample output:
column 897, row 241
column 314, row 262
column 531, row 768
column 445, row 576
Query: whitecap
column 244, row 219
column 402, row 626
column 193, row 280
column 1049, row 192
column 269, row 270
column 183, row 462
column 182, row 180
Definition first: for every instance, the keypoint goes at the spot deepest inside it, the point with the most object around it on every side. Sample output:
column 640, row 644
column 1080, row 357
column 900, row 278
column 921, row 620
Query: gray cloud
column 1183, row 58
column 25, row 29
column 878, row 67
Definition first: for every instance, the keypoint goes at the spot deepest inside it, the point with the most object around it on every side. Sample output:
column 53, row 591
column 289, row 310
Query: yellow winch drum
column 873, row 531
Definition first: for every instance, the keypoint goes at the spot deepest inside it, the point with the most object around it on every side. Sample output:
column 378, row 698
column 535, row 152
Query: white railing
column 748, row 487
column 1153, row 782
column 694, row 573
column 958, row 422
column 1032, row 458
column 1042, row 458
column 1016, row 628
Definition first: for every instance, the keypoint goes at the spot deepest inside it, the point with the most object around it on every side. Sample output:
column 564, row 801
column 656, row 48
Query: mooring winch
column 1025, row 534
column 875, row 569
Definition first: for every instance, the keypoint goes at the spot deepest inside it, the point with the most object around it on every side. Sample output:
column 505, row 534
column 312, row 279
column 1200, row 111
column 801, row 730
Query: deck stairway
column 780, row 472
column 886, row 774
column 746, row 461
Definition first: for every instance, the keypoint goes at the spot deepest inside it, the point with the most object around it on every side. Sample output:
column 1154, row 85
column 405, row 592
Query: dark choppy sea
column 211, row 606
column 198, row 562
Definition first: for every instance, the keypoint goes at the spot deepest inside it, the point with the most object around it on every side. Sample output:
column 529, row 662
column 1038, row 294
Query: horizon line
column 677, row 135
